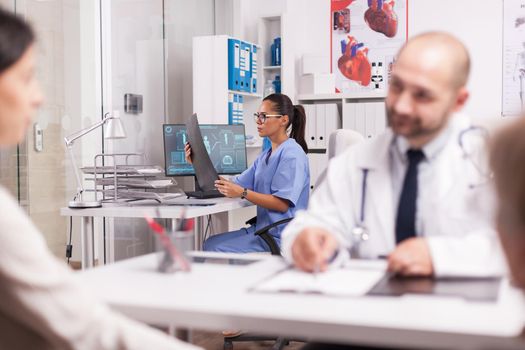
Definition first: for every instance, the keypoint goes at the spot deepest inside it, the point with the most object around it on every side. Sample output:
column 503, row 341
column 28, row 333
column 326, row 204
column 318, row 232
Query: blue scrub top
column 285, row 174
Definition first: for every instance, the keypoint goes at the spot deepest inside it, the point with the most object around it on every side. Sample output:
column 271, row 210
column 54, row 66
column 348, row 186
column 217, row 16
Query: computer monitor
column 226, row 145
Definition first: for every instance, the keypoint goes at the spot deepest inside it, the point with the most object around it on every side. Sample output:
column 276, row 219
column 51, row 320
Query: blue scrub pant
column 240, row 241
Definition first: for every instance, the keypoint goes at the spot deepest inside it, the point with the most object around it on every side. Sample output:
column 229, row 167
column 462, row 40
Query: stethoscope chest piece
column 360, row 233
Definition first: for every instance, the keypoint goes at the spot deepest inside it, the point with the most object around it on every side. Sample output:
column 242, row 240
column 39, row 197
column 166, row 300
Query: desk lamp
column 114, row 130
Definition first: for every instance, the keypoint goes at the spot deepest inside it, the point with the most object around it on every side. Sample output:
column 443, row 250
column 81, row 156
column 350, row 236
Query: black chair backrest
column 268, row 238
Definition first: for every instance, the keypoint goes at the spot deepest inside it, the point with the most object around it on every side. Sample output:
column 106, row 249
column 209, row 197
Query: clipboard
column 471, row 289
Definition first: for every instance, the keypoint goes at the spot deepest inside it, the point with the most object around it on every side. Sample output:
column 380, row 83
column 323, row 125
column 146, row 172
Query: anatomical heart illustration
column 354, row 63
column 365, row 36
column 381, row 17
column 341, row 20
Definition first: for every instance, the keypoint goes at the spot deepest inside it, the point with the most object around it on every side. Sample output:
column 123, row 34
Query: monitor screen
column 226, row 145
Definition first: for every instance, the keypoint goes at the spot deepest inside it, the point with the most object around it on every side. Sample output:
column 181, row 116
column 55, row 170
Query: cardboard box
column 315, row 64
column 317, row 84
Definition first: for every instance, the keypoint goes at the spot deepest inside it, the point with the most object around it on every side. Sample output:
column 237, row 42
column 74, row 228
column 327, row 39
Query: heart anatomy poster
column 513, row 100
column 365, row 37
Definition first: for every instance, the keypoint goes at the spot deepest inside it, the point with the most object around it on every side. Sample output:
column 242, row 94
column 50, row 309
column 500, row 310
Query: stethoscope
column 483, row 133
column 360, row 232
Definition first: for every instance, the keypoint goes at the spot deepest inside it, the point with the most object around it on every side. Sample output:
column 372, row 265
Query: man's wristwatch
column 244, row 193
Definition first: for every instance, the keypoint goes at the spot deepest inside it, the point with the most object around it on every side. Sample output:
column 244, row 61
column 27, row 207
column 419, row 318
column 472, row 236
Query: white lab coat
column 458, row 222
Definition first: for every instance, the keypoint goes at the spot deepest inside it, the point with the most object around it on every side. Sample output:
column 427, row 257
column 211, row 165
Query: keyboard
column 204, row 194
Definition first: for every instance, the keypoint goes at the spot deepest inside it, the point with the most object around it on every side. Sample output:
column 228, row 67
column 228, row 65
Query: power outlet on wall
column 38, row 135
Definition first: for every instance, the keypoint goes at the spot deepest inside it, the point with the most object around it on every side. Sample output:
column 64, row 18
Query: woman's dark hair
column 15, row 38
column 296, row 115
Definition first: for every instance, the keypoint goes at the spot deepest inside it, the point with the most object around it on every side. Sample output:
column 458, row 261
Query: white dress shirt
column 43, row 305
column 426, row 170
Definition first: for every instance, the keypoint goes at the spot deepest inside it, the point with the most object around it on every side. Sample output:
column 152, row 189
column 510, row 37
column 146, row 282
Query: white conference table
column 218, row 297
column 191, row 208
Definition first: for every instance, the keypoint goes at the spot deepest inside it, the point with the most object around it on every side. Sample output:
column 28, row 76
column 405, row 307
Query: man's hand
column 313, row 248
column 228, row 188
column 411, row 258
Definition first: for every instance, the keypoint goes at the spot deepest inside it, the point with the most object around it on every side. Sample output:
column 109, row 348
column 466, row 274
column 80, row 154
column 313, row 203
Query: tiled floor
column 214, row 341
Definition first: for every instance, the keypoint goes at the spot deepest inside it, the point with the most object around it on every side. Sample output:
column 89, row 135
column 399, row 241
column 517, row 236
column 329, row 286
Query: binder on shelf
column 311, row 139
column 245, row 67
column 320, row 117
column 234, row 61
column 267, row 144
column 230, row 108
column 236, row 113
column 375, row 122
column 312, row 163
column 254, row 70
column 370, row 120
column 242, row 67
column 235, row 108
column 240, row 111
column 321, row 121
column 318, row 163
column 349, row 116
column 367, row 118
column 381, row 123
column 360, row 118
column 332, row 120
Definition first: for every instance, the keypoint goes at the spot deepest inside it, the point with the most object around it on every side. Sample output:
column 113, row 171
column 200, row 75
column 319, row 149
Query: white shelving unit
column 210, row 80
column 272, row 68
column 210, row 102
column 246, row 94
column 268, row 29
column 361, row 111
column 373, row 94
column 210, row 84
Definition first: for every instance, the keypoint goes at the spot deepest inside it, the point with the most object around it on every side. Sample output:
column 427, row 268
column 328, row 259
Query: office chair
column 280, row 342
column 339, row 142
column 341, row 139
column 266, row 236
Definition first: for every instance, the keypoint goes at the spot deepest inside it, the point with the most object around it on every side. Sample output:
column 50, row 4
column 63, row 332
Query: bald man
column 409, row 195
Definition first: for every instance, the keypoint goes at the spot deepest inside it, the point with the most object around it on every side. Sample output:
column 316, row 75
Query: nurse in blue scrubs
column 278, row 182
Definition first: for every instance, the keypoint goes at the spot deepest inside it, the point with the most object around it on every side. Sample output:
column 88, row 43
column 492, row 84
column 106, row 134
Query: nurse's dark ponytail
column 296, row 115
column 299, row 126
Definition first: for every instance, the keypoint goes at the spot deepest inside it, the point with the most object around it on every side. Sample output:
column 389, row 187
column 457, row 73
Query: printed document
column 347, row 281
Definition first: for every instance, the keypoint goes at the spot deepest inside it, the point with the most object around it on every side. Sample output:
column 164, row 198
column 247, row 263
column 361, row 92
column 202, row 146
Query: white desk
column 216, row 297
column 129, row 210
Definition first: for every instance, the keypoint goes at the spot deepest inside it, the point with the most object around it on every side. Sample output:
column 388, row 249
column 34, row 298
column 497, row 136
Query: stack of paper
column 336, row 282
column 137, row 182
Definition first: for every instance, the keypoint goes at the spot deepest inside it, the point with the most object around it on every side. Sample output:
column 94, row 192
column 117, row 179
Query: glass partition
column 42, row 179
column 91, row 55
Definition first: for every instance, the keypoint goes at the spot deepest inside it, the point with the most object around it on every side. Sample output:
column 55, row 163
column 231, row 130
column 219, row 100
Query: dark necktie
column 406, row 211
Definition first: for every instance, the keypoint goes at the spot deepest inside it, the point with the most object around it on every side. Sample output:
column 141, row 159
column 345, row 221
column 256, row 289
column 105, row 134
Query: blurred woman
column 42, row 305
column 508, row 163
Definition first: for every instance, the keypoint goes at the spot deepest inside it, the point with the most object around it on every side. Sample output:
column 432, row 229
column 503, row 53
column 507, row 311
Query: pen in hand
column 318, row 264
column 315, row 271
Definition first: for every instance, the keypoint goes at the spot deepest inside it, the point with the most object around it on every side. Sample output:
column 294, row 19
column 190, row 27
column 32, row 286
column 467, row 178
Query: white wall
column 306, row 31
column 181, row 27
column 137, row 66
column 478, row 25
